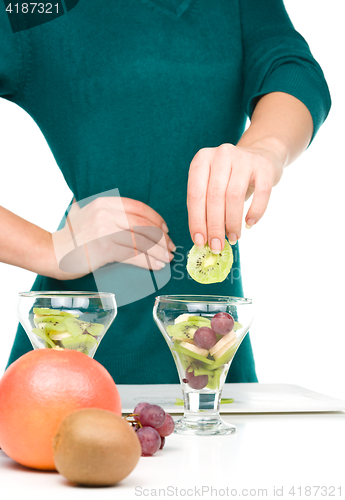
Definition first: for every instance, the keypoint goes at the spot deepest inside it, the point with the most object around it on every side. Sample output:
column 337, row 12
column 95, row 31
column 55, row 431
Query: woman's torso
column 125, row 94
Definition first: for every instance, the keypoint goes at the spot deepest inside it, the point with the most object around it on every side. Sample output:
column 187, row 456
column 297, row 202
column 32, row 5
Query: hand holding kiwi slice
column 206, row 267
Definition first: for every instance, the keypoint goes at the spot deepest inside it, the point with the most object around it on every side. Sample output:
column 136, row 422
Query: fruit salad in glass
column 203, row 334
column 66, row 320
column 204, row 346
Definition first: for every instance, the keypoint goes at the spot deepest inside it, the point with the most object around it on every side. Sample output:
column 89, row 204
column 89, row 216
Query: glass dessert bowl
column 66, row 320
column 203, row 334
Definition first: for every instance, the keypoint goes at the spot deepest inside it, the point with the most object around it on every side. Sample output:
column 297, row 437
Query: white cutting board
column 248, row 398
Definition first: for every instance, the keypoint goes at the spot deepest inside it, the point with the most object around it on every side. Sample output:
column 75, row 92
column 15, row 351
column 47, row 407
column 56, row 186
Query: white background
column 292, row 261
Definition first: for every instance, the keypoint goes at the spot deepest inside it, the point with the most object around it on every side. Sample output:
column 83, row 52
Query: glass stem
column 202, row 405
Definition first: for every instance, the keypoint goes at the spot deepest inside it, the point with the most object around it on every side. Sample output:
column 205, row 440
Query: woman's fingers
column 146, row 261
column 136, row 207
column 136, row 244
column 199, row 173
column 127, row 214
column 117, row 251
column 140, row 225
column 217, row 185
column 262, row 192
column 235, row 197
column 220, row 181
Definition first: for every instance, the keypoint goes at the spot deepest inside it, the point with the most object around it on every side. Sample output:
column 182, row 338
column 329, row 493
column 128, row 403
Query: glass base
column 203, row 426
column 201, row 416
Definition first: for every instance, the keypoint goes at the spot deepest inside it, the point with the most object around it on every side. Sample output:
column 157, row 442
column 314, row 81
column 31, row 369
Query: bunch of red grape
column 152, row 425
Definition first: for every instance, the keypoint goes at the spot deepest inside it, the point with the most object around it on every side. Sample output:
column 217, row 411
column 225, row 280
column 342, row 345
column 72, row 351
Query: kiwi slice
column 48, row 323
column 213, row 375
column 44, row 311
column 214, row 379
column 225, row 358
column 95, row 329
column 74, row 327
column 186, row 329
column 206, row 267
column 84, row 343
column 47, row 340
column 182, row 350
column 198, row 319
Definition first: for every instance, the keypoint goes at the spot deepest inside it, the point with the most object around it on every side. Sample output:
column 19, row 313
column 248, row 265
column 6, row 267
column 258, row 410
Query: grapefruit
column 39, row 390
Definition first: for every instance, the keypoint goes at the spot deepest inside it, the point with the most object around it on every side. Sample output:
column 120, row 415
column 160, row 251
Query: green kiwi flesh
column 225, row 358
column 95, row 329
column 74, row 327
column 84, row 343
column 186, row 329
column 48, row 323
column 187, row 352
column 41, row 333
column 61, row 323
column 44, row 311
column 213, row 375
column 206, row 267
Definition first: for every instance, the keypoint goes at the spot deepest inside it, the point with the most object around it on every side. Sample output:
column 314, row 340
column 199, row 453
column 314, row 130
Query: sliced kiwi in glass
column 51, row 323
column 206, row 267
column 74, row 327
column 213, row 375
column 214, row 378
column 95, row 329
column 41, row 333
column 225, row 358
column 186, row 329
column 198, row 320
column 44, row 311
column 179, row 348
column 84, row 343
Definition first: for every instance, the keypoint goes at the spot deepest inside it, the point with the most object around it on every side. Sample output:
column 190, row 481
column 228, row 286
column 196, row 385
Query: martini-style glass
column 202, row 372
column 66, row 320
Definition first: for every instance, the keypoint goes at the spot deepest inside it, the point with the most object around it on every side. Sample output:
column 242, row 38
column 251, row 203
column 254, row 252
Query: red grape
column 168, row 426
column 137, row 409
column 149, row 439
column 152, row 415
column 205, row 337
column 196, row 381
column 162, row 442
column 222, row 323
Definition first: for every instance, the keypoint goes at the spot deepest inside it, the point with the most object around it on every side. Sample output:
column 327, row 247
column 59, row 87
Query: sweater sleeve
column 278, row 59
column 11, row 60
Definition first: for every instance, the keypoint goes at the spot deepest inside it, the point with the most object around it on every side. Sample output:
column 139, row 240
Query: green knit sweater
column 125, row 93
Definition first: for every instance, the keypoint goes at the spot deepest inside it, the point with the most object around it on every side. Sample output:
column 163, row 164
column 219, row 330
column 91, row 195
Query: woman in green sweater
column 150, row 98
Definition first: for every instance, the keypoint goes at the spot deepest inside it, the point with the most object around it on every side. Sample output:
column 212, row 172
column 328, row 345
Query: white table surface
column 247, row 398
column 268, row 451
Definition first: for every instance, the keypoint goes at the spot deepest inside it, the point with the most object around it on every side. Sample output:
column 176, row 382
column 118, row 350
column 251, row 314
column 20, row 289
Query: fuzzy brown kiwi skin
column 94, row 447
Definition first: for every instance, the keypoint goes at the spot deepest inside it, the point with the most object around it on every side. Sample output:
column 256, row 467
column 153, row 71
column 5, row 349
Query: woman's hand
column 220, row 181
column 111, row 229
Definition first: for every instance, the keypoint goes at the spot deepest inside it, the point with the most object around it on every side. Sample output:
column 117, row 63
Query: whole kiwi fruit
column 95, row 447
